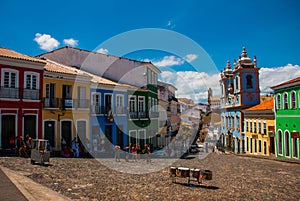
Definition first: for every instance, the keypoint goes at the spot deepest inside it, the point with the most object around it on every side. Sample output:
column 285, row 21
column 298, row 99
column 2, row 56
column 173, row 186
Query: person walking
column 117, row 153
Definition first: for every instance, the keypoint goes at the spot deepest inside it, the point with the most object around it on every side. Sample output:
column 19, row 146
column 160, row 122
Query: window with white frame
column 265, row 128
column 120, row 103
column 10, row 78
column 255, row 131
column 285, row 101
column 278, row 102
column 132, row 105
column 32, row 80
column 141, row 104
column 293, row 100
column 259, row 146
column 251, row 127
column 259, row 127
column 247, row 126
column 96, row 103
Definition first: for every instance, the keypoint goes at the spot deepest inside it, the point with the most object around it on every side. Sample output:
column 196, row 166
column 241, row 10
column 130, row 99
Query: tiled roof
column 268, row 105
column 287, row 82
column 52, row 66
column 4, row 52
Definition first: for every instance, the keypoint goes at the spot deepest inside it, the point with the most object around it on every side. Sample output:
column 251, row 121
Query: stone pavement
column 14, row 186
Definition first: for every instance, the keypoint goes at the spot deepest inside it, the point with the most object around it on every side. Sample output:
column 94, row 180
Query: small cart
column 39, row 152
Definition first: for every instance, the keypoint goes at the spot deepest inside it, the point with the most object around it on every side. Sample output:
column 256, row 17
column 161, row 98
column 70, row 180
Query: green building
column 287, row 115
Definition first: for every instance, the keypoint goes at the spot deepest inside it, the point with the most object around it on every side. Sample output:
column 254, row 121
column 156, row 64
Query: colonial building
column 142, row 113
column 65, row 104
column 239, row 90
column 287, row 107
column 21, row 84
column 259, row 127
column 169, row 117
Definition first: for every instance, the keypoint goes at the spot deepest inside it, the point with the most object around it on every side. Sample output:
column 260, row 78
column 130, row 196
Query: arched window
column 293, row 100
column 285, row 101
column 278, row 102
column 279, row 142
column 287, row 143
column 249, row 82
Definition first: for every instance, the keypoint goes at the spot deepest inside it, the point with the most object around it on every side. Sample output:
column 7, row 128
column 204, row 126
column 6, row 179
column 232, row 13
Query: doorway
column 8, row 130
column 66, row 132
column 30, row 126
column 49, row 132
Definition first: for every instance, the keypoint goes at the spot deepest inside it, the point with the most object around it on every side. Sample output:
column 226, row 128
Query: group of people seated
column 24, row 146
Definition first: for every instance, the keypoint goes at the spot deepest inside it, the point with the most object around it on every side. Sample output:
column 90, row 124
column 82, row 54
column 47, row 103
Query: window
column 279, row 142
column 81, row 97
column 259, row 127
column 285, row 101
column 141, row 104
column 247, row 126
column 108, row 102
column 96, row 103
column 120, row 102
column 132, row 107
column 249, row 82
column 287, row 143
column 247, row 143
column 10, row 78
column 265, row 128
column 251, row 127
column 293, row 100
column 236, row 83
column 255, row 146
column 31, row 80
column 237, row 121
column 255, row 127
column 251, row 145
column 278, row 102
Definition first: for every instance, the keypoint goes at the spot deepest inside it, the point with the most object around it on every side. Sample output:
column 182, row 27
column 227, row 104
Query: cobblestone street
column 234, row 178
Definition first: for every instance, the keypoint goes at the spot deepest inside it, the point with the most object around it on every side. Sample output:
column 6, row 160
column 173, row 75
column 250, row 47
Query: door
column 30, row 126
column 81, row 130
column 49, row 132
column 272, row 145
column 119, row 136
column 67, row 96
column 66, row 132
column 8, row 130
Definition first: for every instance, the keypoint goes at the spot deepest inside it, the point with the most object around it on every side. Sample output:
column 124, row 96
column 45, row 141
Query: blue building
column 108, row 117
column 239, row 90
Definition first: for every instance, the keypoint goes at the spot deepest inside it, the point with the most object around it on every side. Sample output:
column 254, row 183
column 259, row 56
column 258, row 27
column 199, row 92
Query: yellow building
column 66, row 92
column 259, row 129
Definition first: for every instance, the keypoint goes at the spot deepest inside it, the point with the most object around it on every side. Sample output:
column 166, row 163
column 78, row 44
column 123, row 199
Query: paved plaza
column 234, row 178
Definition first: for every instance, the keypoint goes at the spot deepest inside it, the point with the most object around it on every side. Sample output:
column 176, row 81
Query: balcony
column 31, row 94
column 51, row 103
column 154, row 114
column 120, row 110
column 96, row 109
column 80, row 103
column 6, row 92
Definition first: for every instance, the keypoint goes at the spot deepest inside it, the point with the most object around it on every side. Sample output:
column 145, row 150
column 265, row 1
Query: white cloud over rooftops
column 46, row 41
column 194, row 85
column 103, row 51
column 71, row 42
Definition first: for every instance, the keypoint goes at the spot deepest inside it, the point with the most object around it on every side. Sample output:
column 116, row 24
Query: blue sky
column 269, row 29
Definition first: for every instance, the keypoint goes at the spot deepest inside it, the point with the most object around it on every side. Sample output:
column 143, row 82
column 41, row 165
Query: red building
column 21, row 84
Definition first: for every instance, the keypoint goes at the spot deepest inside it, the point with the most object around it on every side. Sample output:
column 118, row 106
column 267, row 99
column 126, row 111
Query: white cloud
column 102, row 51
column 191, row 57
column 169, row 61
column 194, row 85
column 46, row 42
column 269, row 77
column 72, row 42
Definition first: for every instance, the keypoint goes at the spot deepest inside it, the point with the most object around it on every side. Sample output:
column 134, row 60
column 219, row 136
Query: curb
column 30, row 189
